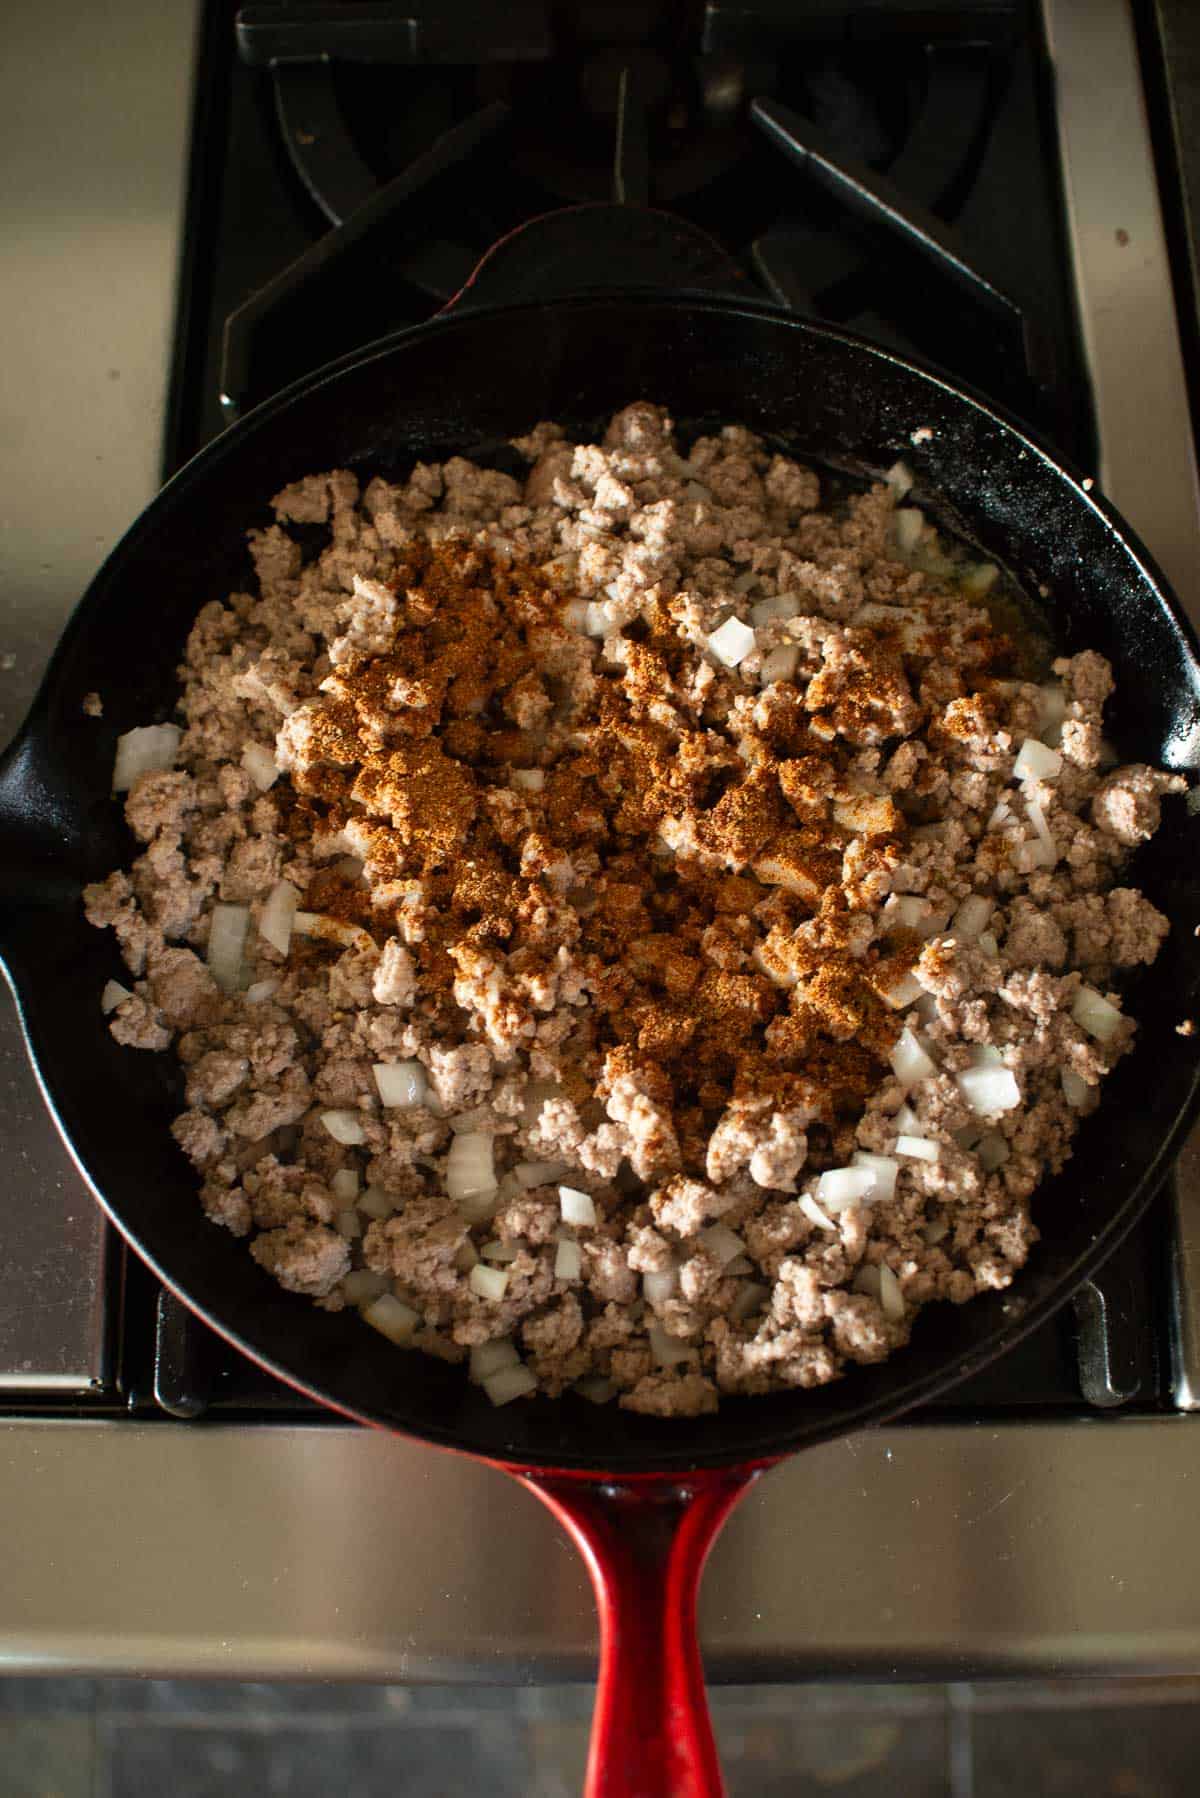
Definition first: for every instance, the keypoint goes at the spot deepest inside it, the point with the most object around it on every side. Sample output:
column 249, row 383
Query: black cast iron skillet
column 465, row 384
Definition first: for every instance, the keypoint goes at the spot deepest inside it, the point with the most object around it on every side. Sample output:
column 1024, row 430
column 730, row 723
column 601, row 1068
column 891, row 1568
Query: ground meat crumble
column 680, row 873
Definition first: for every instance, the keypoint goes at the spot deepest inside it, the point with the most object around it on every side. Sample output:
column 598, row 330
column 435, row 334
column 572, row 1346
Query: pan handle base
column 645, row 1542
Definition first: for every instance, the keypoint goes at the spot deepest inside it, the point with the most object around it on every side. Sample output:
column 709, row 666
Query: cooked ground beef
column 702, row 938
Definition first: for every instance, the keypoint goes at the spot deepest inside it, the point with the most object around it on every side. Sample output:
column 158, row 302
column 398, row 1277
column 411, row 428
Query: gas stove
column 973, row 184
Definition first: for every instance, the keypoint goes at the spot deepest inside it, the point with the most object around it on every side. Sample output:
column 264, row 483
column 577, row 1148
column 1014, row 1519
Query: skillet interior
column 465, row 383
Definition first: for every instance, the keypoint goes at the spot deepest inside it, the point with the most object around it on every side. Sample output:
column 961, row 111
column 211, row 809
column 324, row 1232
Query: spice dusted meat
column 568, row 892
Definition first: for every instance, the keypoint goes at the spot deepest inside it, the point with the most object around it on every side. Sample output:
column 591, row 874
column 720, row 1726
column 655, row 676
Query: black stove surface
column 406, row 142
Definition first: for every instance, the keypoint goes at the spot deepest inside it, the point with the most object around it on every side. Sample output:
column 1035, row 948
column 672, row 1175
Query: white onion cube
column 260, row 765
column 815, row 1215
column 839, row 1187
column 1035, row 761
column 577, row 1207
column 916, row 1148
column 568, row 1261
column 489, row 1283
column 391, row 1317
column 112, row 995
column 910, row 1063
column 1076, row 1090
column 732, row 642
column 1095, row 1014
column 278, row 916
column 344, row 1127
column 401, row 1084
column 883, row 1170
column 470, row 1166
column 971, row 917
column 722, row 1244
column 890, row 1296
column 227, row 944
column 668, row 1351
column 145, row 750
column 508, row 1384
column 488, row 1358
column 989, row 1090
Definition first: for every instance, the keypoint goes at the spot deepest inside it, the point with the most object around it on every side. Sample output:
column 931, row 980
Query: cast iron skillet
column 643, row 1498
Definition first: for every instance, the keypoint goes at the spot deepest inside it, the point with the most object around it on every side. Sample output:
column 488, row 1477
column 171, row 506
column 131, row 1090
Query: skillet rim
column 1034, row 1312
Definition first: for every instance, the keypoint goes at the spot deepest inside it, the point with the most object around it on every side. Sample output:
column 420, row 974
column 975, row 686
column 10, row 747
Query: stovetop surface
column 957, row 115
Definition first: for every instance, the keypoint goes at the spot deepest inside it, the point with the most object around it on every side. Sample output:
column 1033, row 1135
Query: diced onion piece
column 1095, row 1014
column 903, row 992
column 988, row 944
column 488, row 1358
column 883, row 1170
column 1001, row 814
column 539, row 1173
column 499, row 1252
column 113, row 994
column 595, row 620
column 917, row 1148
column 986, row 1055
column 260, row 765
column 779, row 664
column 1035, row 761
column 1052, row 709
column 989, row 1091
column 345, row 1185
column 480, row 1207
column 890, row 1296
column 1047, row 848
column 576, row 1207
column 905, row 911
column 744, row 582
column 470, row 1166
column 661, row 1285
column 226, row 944
column 776, row 610
column 969, row 1137
column 907, row 525
column 980, row 578
column 258, row 990
column 596, row 1389
column 401, row 1084
column 348, row 1224
column 532, row 779
column 936, row 1231
column 363, row 1285
column 992, row 1151
column 1076, row 1090
column 750, row 1296
column 732, row 642
column 332, row 930
column 740, row 1265
column 910, row 1063
column 568, row 1261
column 749, row 1299
column 278, row 914
column 867, row 1281
column 668, row 1351
column 971, row 917
column 350, row 867
column 488, row 1282
column 144, row 751
column 508, row 1384
column 376, row 1203
column 839, row 1187
column 906, row 1120
column 344, row 1127
column 815, row 1215
column 466, row 1256
column 722, row 1243
column 574, row 613
column 900, row 479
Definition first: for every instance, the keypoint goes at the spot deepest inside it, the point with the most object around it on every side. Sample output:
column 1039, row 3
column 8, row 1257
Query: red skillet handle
column 645, row 1543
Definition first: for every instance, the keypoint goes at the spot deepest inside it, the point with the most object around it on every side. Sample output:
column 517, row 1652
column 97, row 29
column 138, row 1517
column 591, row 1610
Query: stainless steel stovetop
column 319, row 1550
